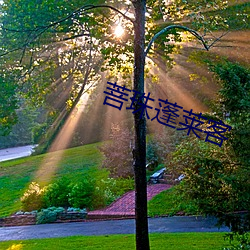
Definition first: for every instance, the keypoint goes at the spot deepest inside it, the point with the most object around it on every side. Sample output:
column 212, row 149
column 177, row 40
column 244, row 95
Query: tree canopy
column 50, row 43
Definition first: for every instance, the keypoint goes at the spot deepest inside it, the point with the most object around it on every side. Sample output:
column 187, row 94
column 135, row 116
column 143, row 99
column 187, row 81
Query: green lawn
column 170, row 241
column 169, row 202
column 16, row 175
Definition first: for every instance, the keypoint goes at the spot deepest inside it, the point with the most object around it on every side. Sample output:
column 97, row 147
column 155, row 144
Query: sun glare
column 119, row 31
column 61, row 142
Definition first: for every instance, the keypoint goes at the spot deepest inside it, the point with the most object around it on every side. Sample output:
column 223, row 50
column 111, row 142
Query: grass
column 169, row 202
column 170, row 241
column 16, row 175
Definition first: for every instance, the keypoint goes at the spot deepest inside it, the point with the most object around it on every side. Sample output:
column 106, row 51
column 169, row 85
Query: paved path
column 156, row 225
column 14, row 153
column 125, row 206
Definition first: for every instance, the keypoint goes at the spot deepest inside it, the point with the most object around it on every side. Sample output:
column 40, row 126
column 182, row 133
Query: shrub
column 214, row 181
column 56, row 194
column 48, row 215
column 103, row 195
column 123, row 185
column 243, row 242
column 33, row 197
column 81, row 194
column 109, row 189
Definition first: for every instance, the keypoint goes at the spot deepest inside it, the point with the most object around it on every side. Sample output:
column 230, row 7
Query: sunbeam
column 51, row 161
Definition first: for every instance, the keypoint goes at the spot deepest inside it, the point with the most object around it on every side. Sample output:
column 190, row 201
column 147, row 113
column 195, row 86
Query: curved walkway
column 125, row 205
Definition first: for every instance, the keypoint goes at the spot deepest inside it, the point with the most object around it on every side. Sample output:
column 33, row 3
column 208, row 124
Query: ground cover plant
column 171, row 241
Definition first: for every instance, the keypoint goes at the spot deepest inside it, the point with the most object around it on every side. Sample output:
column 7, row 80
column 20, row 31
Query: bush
column 109, row 189
column 33, row 197
column 103, row 194
column 123, row 185
column 243, row 242
column 57, row 193
column 48, row 215
column 81, row 194
column 214, row 181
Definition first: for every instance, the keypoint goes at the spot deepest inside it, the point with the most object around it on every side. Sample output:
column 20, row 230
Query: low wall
column 30, row 219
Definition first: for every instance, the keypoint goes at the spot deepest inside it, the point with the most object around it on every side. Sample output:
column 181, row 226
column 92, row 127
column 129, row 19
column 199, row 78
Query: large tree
column 217, row 178
column 58, row 39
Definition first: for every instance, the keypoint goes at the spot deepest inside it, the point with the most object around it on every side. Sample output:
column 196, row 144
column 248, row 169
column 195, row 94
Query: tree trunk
column 139, row 152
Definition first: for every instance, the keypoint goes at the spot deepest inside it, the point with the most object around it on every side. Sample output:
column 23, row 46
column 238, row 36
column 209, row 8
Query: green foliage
column 32, row 198
column 207, row 168
column 235, row 86
column 56, row 194
column 8, row 105
column 123, row 185
column 108, row 190
column 38, row 131
column 235, row 103
column 103, row 193
column 217, row 179
column 152, row 157
column 236, row 16
column 243, row 241
column 213, row 181
column 92, row 192
column 48, row 215
column 22, row 132
column 81, row 194
column 50, row 44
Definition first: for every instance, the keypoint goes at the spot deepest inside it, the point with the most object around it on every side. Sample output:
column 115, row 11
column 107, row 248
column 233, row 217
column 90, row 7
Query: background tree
column 117, row 152
column 8, row 104
column 216, row 178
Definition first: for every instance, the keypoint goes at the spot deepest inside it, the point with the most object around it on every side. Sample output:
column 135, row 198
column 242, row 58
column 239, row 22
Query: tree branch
column 193, row 32
column 112, row 8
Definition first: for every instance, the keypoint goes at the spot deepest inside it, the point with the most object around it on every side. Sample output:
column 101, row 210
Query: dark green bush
column 242, row 241
column 109, row 189
column 103, row 193
column 81, row 194
column 57, row 193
